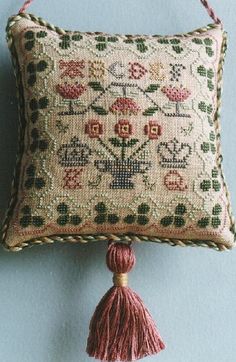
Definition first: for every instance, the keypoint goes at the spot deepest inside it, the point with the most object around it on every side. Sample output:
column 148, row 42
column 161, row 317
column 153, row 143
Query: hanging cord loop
column 205, row 3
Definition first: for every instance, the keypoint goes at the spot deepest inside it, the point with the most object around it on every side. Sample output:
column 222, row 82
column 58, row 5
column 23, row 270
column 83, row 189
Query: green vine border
column 218, row 246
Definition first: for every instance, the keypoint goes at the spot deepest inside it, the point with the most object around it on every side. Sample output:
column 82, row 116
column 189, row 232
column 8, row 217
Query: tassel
column 121, row 328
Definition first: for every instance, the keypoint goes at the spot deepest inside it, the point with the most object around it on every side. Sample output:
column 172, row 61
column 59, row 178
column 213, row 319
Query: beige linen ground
column 119, row 136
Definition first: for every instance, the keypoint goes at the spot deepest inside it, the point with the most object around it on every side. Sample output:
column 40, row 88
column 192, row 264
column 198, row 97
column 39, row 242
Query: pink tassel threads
column 121, row 328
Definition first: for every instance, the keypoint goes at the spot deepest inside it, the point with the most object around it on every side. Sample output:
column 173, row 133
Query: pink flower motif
column 94, row 128
column 176, row 94
column 125, row 106
column 70, row 91
column 123, row 128
column 153, row 130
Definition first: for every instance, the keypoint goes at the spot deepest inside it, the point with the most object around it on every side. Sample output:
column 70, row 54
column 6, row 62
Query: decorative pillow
column 119, row 141
column 119, row 137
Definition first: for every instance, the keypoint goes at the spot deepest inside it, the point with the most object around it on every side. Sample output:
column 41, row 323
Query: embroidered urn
column 124, row 164
column 122, row 171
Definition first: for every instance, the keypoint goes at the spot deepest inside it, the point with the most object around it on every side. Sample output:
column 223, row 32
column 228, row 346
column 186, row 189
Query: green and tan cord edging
column 108, row 237
column 112, row 237
column 218, row 131
column 38, row 20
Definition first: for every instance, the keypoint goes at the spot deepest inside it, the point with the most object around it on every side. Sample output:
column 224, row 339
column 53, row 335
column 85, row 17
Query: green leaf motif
column 174, row 41
column 142, row 47
column 177, row 49
column 202, row 106
column 216, row 222
column 99, row 110
column 205, row 185
column 210, row 73
column 204, row 222
column 113, row 218
column 179, row 221
column 29, row 45
column 131, row 142
column 41, row 34
column 115, row 142
column 142, row 220
column 143, row 208
column 209, row 51
column 217, row 210
column 100, row 38
column 96, row 86
column 208, row 41
column 150, row 111
column 77, row 37
column 167, row 221
column 152, row 88
column 202, row 71
column 101, row 207
column 128, row 41
column 180, row 209
column 112, row 39
column 197, row 41
column 163, row 41
column 101, row 46
column 210, row 85
column 129, row 219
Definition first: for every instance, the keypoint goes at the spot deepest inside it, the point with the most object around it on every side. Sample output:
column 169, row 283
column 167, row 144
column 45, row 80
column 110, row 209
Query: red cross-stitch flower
column 70, row 91
column 153, row 130
column 123, row 128
column 176, row 94
column 125, row 106
column 94, row 128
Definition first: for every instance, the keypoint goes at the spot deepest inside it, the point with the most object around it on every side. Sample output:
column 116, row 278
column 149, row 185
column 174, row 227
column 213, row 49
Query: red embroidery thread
column 72, row 178
column 174, row 181
column 136, row 70
column 72, row 68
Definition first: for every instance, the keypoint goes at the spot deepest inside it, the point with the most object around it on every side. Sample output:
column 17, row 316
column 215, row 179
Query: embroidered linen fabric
column 119, row 137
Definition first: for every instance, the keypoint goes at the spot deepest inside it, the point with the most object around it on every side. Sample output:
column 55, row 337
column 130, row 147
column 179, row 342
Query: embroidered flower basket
column 118, row 141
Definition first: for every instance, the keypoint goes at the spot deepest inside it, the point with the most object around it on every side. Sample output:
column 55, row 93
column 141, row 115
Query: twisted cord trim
column 116, row 238
column 205, row 3
column 40, row 21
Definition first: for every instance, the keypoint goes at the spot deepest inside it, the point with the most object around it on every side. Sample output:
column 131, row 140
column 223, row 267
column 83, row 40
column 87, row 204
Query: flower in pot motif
column 176, row 95
column 125, row 164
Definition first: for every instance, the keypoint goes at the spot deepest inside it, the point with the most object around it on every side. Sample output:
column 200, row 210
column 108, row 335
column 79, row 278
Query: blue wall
column 49, row 293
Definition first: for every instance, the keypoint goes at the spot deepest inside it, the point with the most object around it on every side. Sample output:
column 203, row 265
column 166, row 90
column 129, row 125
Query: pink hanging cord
column 211, row 11
column 205, row 3
column 25, row 6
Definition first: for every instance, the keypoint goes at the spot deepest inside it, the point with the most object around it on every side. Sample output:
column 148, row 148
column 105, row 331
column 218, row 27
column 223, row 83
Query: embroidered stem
column 107, row 149
column 123, row 149
column 141, row 148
